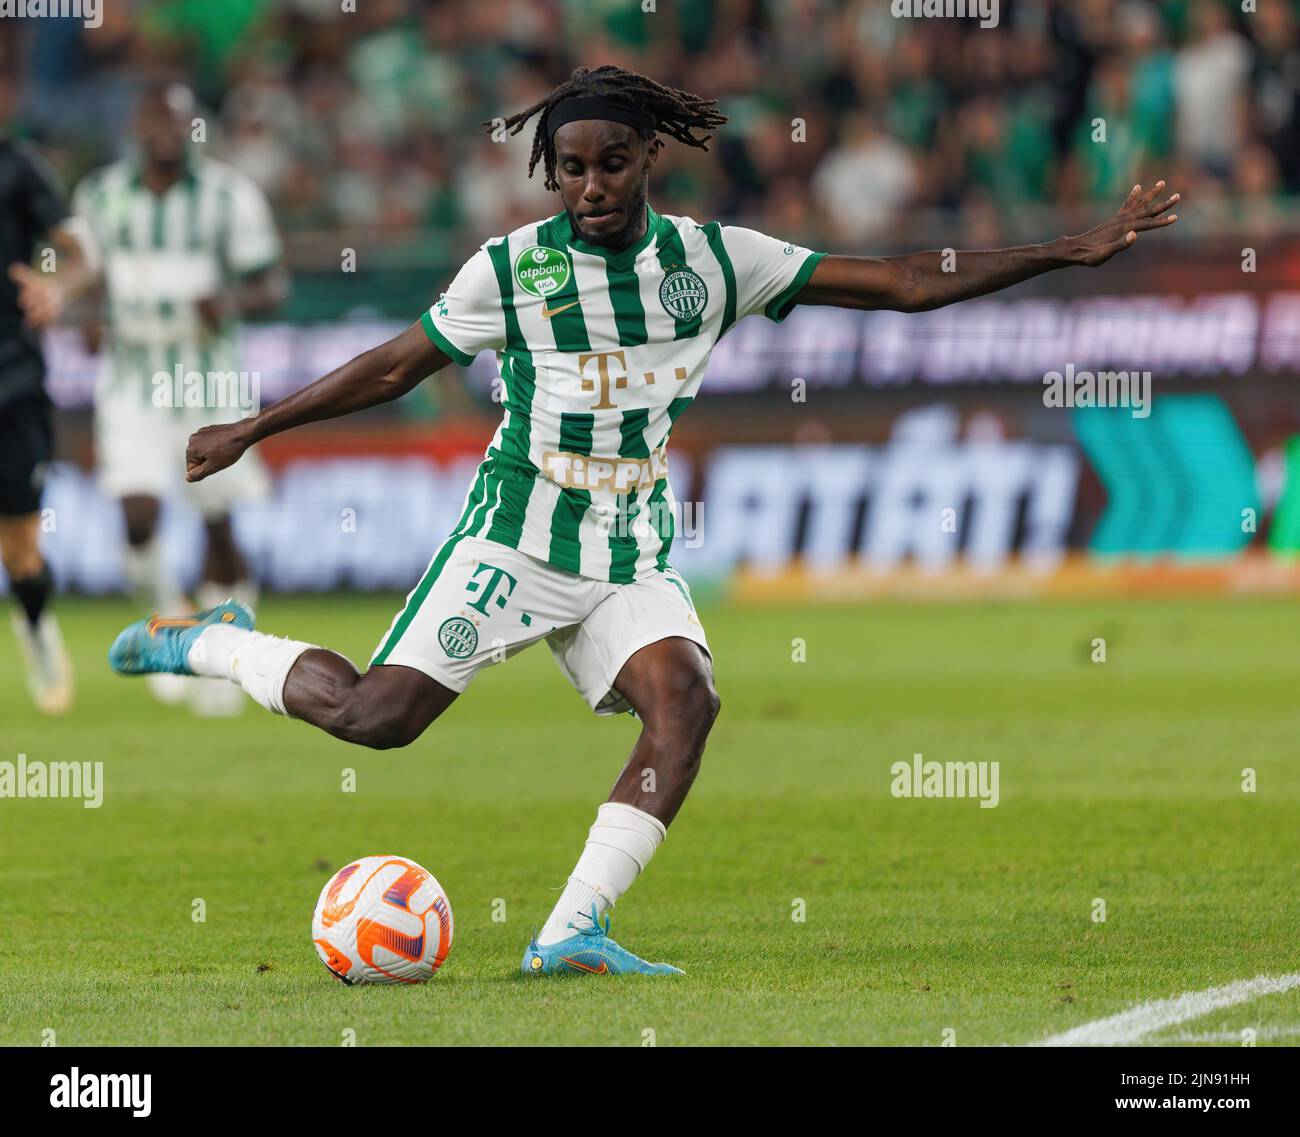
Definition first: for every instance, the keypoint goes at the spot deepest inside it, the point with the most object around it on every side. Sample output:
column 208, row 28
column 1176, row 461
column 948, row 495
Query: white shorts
column 140, row 449
column 480, row 602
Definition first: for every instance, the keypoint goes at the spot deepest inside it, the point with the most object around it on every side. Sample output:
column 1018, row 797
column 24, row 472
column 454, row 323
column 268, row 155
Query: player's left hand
column 39, row 295
column 1140, row 211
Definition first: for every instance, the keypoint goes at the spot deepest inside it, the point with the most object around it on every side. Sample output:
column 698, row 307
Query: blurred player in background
column 185, row 247
column 31, row 209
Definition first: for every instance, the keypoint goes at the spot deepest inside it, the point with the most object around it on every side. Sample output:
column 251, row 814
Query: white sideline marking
column 1129, row 1026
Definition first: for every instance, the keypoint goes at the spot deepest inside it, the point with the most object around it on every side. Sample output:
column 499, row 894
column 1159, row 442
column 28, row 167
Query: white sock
column 257, row 662
column 619, row 846
column 150, row 579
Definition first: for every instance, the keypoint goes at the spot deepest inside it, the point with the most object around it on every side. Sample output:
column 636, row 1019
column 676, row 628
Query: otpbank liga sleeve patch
column 769, row 272
column 469, row 317
column 542, row 270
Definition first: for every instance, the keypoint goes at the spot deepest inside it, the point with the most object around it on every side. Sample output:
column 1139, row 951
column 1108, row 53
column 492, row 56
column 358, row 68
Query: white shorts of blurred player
column 140, row 450
column 480, row 602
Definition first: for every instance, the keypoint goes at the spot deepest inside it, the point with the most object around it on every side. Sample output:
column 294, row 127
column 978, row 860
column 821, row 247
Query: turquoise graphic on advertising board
column 1176, row 482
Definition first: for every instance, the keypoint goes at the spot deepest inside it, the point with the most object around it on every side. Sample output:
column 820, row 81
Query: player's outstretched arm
column 376, row 376
column 918, row 282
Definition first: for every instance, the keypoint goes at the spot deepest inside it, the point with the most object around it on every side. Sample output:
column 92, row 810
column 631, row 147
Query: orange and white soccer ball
column 382, row 920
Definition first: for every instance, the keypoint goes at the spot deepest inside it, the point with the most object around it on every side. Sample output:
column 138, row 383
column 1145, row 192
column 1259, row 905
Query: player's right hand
column 214, row 448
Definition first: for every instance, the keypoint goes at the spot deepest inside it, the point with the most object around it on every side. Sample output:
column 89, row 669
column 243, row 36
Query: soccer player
column 31, row 208
column 602, row 318
column 185, row 246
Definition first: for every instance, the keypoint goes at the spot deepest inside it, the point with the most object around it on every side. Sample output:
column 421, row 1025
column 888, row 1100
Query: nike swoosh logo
column 547, row 313
column 603, row 969
column 156, row 622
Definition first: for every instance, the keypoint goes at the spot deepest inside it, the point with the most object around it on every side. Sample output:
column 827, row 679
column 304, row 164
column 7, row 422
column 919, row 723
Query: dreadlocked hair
column 678, row 113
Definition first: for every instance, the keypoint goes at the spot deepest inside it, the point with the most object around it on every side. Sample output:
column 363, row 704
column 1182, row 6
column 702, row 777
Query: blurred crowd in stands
column 849, row 127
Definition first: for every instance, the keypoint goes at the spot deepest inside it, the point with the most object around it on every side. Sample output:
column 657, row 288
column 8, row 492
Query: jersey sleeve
column 769, row 273
column 251, row 242
column 468, row 317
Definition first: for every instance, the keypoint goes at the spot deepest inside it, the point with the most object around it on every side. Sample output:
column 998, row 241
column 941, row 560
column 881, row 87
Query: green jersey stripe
column 521, row 385
column 507, row 526
column 713, row 233
column 516, row 362
column 664, row 522
column 568, row 326
column 632, row 443
column 623, row 548
column 192, row 239
column 576, row 429
column 225, row 206
column 495, row 486
column 629, row 313
column 491, row 501
column 675, row 409
column 566, row 549
column 484, row 493
column 499, row 254
column 672, row 254
column 475, row 495
column 157, row 233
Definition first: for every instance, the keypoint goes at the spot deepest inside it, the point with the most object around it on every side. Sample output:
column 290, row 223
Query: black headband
column 577, row 107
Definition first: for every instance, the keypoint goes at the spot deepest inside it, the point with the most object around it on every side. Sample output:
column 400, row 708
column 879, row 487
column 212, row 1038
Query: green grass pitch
column 1119, row 780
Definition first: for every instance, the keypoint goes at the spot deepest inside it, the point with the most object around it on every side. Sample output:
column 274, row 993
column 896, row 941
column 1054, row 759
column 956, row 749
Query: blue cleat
column 161, row 643
column 589, row 952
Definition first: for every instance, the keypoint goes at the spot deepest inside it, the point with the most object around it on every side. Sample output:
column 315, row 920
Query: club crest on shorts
column 683, row 292
column 458, row 637
column 542, row 271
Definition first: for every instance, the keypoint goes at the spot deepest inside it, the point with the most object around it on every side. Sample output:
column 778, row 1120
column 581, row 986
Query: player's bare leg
column 386, row 707
column 669, row 684
column 49, row 671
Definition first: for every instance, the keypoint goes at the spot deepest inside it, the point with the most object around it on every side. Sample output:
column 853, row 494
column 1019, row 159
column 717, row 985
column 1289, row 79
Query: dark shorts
column 26, row 447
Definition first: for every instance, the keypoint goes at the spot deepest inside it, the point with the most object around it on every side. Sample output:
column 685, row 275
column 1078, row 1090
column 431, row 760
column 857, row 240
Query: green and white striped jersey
column 600, row 352
column 161, row 253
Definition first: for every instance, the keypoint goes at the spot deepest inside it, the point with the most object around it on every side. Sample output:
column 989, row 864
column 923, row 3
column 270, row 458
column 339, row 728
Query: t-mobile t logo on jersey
column 606, row 380
column 75, row 1090
column 494, row 580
